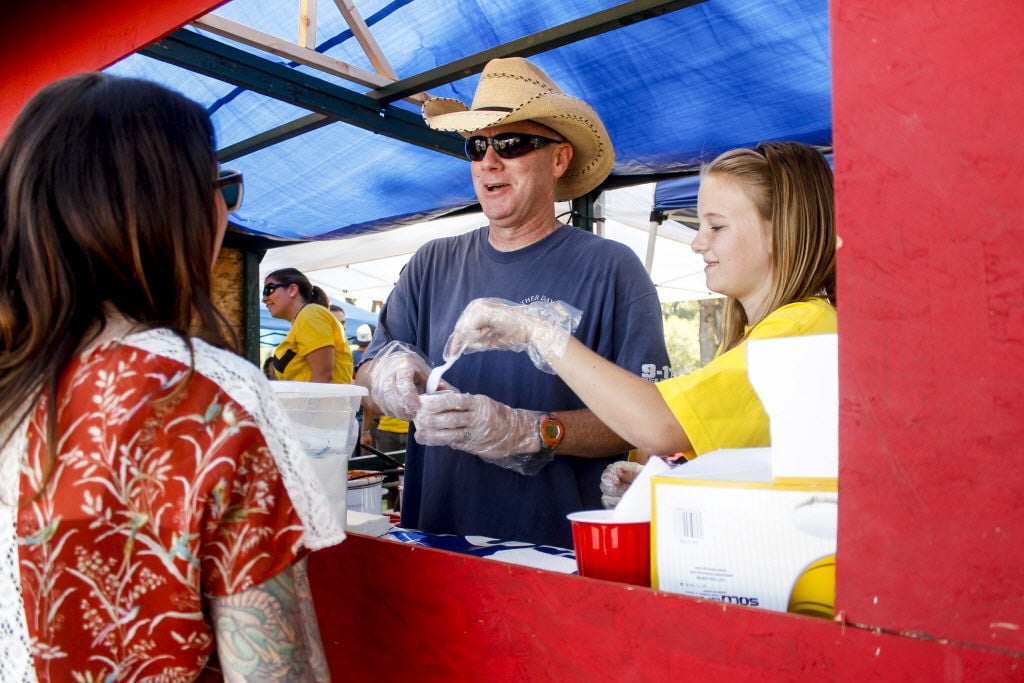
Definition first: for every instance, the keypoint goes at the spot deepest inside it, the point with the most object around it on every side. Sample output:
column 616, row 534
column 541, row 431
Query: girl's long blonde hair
column 790, row 185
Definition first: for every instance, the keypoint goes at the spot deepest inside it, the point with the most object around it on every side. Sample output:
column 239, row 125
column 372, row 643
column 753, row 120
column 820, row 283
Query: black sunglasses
column 506, row 145
column 269, row 288
column 230, row 185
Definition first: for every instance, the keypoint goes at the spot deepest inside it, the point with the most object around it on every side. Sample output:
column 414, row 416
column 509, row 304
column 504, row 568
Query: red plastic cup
column 612, row 550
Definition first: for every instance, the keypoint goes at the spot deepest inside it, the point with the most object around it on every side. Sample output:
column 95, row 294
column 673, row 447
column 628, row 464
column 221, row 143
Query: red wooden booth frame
column 928, row 99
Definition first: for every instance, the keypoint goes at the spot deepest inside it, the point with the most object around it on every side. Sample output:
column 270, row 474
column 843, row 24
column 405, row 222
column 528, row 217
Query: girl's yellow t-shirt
column 716, row 405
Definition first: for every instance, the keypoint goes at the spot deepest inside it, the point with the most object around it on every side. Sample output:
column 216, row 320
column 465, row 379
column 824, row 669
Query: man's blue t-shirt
column 448, row 491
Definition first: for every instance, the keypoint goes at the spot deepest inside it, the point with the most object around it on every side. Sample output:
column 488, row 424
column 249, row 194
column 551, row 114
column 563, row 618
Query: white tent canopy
column 365, row 268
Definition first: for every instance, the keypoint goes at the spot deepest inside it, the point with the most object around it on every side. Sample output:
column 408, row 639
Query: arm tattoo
column 263, row 634
column 311, row 631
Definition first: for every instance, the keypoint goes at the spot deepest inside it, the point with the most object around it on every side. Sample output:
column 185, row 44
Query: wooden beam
column 365, row 37
column 307, row 23
column 297, row 53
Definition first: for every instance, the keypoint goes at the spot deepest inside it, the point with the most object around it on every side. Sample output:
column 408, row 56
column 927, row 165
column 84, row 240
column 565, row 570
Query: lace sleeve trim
column 15, row 662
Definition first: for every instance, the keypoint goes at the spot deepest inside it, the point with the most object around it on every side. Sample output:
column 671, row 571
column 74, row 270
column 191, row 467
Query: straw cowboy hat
column 512, row 90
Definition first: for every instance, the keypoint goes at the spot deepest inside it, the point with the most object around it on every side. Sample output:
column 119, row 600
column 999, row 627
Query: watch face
column 551, row 430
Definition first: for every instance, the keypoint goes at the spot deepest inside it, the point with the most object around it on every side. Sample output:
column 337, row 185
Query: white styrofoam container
column 367, row 523
column 797, row 381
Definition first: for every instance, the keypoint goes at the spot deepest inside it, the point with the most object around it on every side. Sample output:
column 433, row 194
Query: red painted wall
column 928, row 105
column 43, row 41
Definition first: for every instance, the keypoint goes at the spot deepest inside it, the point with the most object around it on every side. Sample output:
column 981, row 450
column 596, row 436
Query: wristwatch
column 551, row 431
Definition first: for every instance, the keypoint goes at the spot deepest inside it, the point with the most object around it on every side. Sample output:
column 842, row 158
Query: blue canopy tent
column 326, row 156
column 677, row 193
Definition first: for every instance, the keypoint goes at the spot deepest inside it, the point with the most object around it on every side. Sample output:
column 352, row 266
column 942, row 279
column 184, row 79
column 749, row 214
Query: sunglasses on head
column 506, row 145
column 229, row 183
column 269, row 288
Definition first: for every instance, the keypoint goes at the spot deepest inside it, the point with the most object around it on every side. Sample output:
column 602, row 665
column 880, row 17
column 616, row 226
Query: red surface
column 930, row 169
column 929, row 165
column 43, row 41
column 405, row 613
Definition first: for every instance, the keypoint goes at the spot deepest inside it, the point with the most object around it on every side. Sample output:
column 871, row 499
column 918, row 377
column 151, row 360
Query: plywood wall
column 229, row 291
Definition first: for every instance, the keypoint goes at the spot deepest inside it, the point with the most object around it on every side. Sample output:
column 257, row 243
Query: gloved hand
column 398, row 377
column 615, row 479
column 504, row 436
column 541, row 328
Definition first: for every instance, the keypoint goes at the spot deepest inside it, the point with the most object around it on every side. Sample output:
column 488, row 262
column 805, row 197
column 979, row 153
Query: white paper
column 635, row 505
column 796, row 379
column 729, row 464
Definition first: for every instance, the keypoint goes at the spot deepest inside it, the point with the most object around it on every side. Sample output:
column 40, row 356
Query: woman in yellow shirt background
column 315, row 348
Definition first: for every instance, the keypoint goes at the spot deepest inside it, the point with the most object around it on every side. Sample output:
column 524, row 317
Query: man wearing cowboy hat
column 530, row 145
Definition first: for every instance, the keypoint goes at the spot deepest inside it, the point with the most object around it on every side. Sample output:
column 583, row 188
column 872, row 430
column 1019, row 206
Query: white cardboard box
column 733, row 534
column 741, row 525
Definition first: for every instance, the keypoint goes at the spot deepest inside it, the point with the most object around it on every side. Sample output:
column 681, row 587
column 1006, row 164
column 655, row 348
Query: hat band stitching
column 526, row 79
column 547, row 90
column 597, row 137
column 509, row 112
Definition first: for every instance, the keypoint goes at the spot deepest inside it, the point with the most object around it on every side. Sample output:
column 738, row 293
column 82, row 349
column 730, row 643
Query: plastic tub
column 324, row 419
column 324, row 415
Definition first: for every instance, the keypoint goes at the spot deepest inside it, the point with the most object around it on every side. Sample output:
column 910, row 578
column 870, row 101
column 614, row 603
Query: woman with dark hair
column 154, row 512
column 315, row 349
column 767, row 235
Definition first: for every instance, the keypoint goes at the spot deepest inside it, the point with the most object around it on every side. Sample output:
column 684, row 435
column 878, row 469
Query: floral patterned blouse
column 165, row 490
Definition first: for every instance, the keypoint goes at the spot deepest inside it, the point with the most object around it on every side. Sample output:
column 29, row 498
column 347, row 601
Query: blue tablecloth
column 515, row 552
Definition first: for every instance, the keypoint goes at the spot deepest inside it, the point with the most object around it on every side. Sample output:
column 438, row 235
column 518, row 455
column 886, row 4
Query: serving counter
column 392, row 610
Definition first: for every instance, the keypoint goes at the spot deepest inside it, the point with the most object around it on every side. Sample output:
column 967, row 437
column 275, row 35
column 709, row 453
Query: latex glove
column 541, row 328
column 615, row 479
column 503, row 436
column 399, row 375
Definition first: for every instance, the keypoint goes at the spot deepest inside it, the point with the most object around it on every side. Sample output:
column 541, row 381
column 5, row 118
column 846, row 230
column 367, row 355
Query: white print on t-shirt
column 651, row 372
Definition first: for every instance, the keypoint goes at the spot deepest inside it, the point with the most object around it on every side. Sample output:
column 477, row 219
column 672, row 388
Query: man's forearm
column 588, row 437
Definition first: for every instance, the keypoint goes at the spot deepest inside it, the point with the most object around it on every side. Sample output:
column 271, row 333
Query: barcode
column 689, row 524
